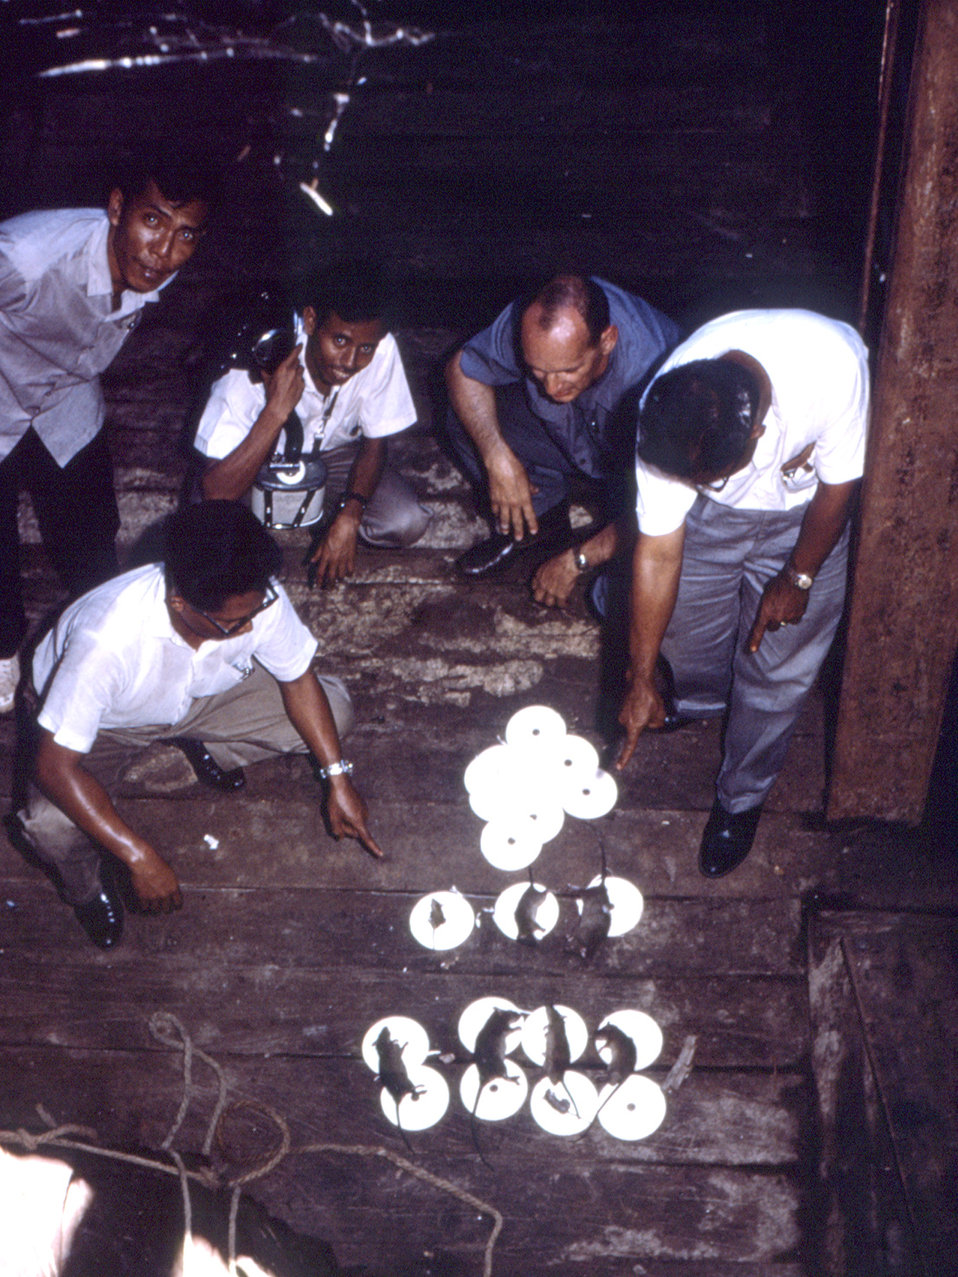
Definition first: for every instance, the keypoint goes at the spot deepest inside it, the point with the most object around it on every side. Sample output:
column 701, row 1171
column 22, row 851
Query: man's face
column 337, row 350
column 150, row 238
column 563, row 359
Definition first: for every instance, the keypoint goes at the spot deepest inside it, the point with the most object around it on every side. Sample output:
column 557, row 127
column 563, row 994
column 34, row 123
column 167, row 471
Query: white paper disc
column 589, row 796
column 457, row 924
column 500, row 1098
column 643, row 1031
column 510, row 844
column 633, row 1111
column 625, row 901
column 490, row 768
column 566, row 1107
column 420, row 1111
column 536, row 1026
column 474, row 1017
column 410, row 1035
column 504, row 911
column 574, row 754
column 534, row 726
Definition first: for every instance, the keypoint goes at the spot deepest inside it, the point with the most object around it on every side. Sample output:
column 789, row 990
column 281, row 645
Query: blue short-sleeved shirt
column 581, row 428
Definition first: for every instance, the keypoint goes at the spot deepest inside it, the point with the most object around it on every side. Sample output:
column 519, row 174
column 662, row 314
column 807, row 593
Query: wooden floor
column 815, row 1132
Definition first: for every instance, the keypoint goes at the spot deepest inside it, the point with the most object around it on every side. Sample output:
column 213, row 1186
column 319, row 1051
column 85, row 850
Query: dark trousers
column 76, row 509
column 549, row 467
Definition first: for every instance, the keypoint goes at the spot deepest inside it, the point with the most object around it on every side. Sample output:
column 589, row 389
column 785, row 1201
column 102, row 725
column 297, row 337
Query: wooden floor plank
column 325, row 929
column 75, row 1000
column 613, row 1205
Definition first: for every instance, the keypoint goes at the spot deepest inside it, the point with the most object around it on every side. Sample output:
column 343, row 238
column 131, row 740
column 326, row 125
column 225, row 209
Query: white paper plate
column 633, row 1111
column 574, row 754
column 457, row 925
column 504, row 911
column 534, row 726
column 587, row 797
column 490, row 768
column 500, row 1098
column 643, row 1031
column 418, row 1112
column 474, row 1017
column 536, row 1024
column 410, row 1035
column 510, row 845
column 575, row 1091
column 626, row 904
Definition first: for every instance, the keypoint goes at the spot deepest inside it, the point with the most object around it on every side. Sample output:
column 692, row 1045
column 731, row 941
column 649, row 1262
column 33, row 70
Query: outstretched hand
column 510, row 494
column 347, row 814
column 643, row 707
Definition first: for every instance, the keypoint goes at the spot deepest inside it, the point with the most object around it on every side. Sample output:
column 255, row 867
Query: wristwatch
column 801, row 580
column 581, row 562
column 340, row 768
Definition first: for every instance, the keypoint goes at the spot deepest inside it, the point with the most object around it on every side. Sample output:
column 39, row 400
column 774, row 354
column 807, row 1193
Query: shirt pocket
column 798, row 474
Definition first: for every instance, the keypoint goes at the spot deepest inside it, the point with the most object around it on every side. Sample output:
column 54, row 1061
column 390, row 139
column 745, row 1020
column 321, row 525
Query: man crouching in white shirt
column 206, row 646
column 346, row 382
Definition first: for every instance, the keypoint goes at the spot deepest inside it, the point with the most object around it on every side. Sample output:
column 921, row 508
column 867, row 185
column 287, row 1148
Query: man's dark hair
column 571, row 292
column 355, row 291
column 697, row 419
column 181, row 174
column 215, row 549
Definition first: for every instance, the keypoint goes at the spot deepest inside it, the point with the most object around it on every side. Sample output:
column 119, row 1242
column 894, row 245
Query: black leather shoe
column 496, row 551
column 207, row 768
column 102, row 917
column 727, row 839
column 486, row 556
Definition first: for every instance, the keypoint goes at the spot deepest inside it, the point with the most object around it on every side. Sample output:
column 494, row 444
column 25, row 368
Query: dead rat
column 527, row 910
column 596, row 916
column 558, row 1056
column 436, row 918
column 489, row 1058
column 393, row 1074
column 624, row 1058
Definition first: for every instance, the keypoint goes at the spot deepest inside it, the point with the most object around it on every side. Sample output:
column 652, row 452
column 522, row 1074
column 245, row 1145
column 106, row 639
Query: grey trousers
column 729, row 557
column 244, row 725
column 394, row 517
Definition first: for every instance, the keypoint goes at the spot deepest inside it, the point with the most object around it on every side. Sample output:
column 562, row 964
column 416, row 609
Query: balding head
column 566, row 336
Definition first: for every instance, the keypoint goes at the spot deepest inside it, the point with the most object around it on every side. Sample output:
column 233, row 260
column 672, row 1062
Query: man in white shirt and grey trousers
column 205, row 645
column 751, row 445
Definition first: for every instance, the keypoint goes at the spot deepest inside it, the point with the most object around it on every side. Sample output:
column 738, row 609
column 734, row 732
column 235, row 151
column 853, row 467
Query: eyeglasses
column 234, row 627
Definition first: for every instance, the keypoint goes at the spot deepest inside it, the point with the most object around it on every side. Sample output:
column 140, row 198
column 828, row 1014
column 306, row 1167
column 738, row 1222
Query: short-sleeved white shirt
column 375, row 402
column 113, row 659
column 818, row 369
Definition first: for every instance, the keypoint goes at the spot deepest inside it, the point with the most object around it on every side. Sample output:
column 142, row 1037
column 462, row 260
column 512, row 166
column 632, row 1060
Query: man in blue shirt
column 537, row 402
column 73, row 284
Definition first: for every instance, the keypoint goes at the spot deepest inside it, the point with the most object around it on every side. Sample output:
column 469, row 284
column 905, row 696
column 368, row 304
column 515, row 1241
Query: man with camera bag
column 345, row 382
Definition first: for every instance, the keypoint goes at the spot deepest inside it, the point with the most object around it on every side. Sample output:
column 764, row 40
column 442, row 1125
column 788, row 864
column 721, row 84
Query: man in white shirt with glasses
column 204, row 646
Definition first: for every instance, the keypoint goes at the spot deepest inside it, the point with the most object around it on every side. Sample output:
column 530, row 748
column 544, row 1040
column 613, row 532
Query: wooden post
column 904, row 616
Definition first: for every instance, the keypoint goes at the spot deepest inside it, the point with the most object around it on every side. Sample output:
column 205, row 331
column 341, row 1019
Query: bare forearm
column 656, row 569
column 475, row 406
column 308, row 710
column 81, row 797
column 822, row 525
column 232, row 476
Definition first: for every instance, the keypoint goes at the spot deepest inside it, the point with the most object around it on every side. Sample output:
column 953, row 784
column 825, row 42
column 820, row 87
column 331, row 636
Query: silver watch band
column 342, row 767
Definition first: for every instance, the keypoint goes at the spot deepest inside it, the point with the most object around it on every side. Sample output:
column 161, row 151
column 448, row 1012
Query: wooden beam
column 904, row 615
